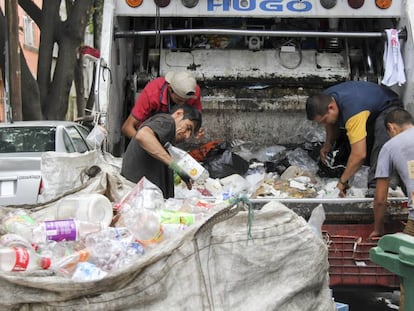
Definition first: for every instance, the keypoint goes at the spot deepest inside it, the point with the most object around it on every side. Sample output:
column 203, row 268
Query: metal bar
column 324, row 200
column 318, row 200
column 267, row 33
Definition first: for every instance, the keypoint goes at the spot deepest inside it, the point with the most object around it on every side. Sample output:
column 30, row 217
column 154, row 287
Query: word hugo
column 263, row 5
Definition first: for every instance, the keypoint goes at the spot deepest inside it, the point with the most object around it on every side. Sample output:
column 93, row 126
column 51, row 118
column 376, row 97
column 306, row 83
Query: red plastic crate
column 349, row 262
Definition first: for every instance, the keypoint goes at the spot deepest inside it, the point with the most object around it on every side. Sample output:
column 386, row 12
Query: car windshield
column 27, row 139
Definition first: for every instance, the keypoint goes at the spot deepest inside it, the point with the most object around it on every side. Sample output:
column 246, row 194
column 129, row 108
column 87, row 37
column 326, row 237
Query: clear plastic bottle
column 14, row 259
column 144, row 224
column 113, row 248
column 187, row 163
column 62, row 230
column 67, row 264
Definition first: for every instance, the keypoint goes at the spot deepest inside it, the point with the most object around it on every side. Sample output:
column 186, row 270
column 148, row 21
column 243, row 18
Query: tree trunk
column 30, row 91
column 70, row 37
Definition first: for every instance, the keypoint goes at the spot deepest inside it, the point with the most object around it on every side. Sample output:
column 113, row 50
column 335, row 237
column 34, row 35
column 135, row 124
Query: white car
column 21, row 147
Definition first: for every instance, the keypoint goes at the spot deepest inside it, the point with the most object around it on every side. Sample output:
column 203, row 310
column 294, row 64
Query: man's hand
column 376, row 234
column 343, row 187
column 324, row 150
column 183, row 175
column 200, row 134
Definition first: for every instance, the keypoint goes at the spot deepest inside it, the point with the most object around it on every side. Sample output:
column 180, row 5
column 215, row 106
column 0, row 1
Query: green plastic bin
column 395, row 252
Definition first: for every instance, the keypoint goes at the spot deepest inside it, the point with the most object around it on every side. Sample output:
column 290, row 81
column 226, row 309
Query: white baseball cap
column 182, row 83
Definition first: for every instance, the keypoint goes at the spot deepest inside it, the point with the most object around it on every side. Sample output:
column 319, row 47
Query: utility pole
column 13, row 60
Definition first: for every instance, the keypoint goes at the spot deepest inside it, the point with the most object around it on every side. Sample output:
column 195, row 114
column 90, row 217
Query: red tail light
column 40, row 186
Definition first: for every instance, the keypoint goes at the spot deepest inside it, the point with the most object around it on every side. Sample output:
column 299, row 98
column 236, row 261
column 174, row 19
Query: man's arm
column 332, row 131
column 380, row 205
column 129, row 126
column 355, row 160
column 150, row 143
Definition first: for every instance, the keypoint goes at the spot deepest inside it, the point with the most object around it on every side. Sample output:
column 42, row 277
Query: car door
column 73, row 140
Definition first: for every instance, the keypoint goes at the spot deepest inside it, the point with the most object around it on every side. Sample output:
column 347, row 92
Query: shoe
column 370, row 193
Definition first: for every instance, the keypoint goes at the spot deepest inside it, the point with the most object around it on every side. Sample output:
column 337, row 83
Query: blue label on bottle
column 59, row 230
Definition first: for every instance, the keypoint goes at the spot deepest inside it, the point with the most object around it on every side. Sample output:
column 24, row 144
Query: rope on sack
column 250, row 216
column 233, row 207
column 220, row 216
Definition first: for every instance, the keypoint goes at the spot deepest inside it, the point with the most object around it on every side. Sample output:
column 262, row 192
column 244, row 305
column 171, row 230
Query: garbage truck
column 256, row 62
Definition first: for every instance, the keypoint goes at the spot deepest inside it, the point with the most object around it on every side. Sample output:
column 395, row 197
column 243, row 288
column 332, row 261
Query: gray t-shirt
column 137, row 163
column 396, row 154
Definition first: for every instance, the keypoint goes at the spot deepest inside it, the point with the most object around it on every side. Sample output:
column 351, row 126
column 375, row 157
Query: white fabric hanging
column 393, row 62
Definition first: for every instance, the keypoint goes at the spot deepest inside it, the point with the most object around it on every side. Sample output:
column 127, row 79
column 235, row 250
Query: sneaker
column 370, row 193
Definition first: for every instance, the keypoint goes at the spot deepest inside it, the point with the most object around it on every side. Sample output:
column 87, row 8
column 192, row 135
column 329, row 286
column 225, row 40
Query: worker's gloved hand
column 183, row 175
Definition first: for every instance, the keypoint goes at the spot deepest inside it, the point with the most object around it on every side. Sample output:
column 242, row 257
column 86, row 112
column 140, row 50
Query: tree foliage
column 46, row 97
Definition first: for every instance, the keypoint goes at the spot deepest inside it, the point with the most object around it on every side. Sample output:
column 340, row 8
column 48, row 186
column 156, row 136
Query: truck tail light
column 189, row 3
column 134, row 3
column 162, row 3
column 383, row 4
column 355, row 4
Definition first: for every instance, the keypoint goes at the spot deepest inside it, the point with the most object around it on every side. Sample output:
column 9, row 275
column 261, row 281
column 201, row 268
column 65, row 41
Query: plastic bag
column 97, row 136
column 225, row 164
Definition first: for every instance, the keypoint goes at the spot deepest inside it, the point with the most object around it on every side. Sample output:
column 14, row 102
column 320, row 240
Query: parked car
column 21, row 147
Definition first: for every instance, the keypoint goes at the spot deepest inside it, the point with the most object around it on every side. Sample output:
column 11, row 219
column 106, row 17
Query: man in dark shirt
column 146, row 155
column 359, row 107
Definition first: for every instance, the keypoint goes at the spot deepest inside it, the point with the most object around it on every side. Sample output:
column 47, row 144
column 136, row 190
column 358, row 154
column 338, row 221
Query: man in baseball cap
column 160, row 95
column 183, row 84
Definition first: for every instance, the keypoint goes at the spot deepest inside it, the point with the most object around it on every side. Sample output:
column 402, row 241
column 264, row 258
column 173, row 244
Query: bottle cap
column 45, row 262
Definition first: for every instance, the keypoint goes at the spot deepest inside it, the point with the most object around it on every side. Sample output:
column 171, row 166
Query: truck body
column 256, row 62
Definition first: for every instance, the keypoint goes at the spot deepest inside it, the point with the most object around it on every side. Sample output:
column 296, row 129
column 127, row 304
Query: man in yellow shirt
column 359, row 107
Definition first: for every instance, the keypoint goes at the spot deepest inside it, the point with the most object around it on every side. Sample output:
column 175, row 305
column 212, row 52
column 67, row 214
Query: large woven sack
column 212, row 266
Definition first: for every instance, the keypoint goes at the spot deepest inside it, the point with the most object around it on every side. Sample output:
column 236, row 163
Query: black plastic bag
column 222, row 162
column 336, row 158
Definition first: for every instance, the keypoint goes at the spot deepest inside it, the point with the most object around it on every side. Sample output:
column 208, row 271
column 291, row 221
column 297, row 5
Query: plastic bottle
column 61, row 230
column 17, row 222
column 187, row 163
column 144, row 224
column 113, row 248
column 67, row 264
column 14, row 240
column 13, row 259
column 93, row 207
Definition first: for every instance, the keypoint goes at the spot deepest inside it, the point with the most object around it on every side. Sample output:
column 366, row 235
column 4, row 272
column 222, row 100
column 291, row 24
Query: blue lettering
column 236, row 5
column 224, row 3
column 271, row 5
column 263, row 5
column 299, row 6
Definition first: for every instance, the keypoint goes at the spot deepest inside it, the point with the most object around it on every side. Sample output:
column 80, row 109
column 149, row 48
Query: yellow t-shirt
column 356, row 127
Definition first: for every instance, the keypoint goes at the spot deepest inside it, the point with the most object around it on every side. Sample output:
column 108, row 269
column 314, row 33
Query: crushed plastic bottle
column 144, row 224
column 113, row 248
column 67, row 264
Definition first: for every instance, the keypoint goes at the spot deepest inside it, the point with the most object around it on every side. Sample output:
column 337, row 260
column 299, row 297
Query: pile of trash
column 276, row 171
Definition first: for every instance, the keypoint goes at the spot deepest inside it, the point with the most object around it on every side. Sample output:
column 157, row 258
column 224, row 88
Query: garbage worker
column 146, row 155
column 359, row 107
column 160, row 95
column 396, row 154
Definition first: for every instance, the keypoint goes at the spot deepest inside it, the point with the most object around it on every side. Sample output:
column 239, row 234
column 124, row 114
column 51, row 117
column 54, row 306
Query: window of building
column 28, row 31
